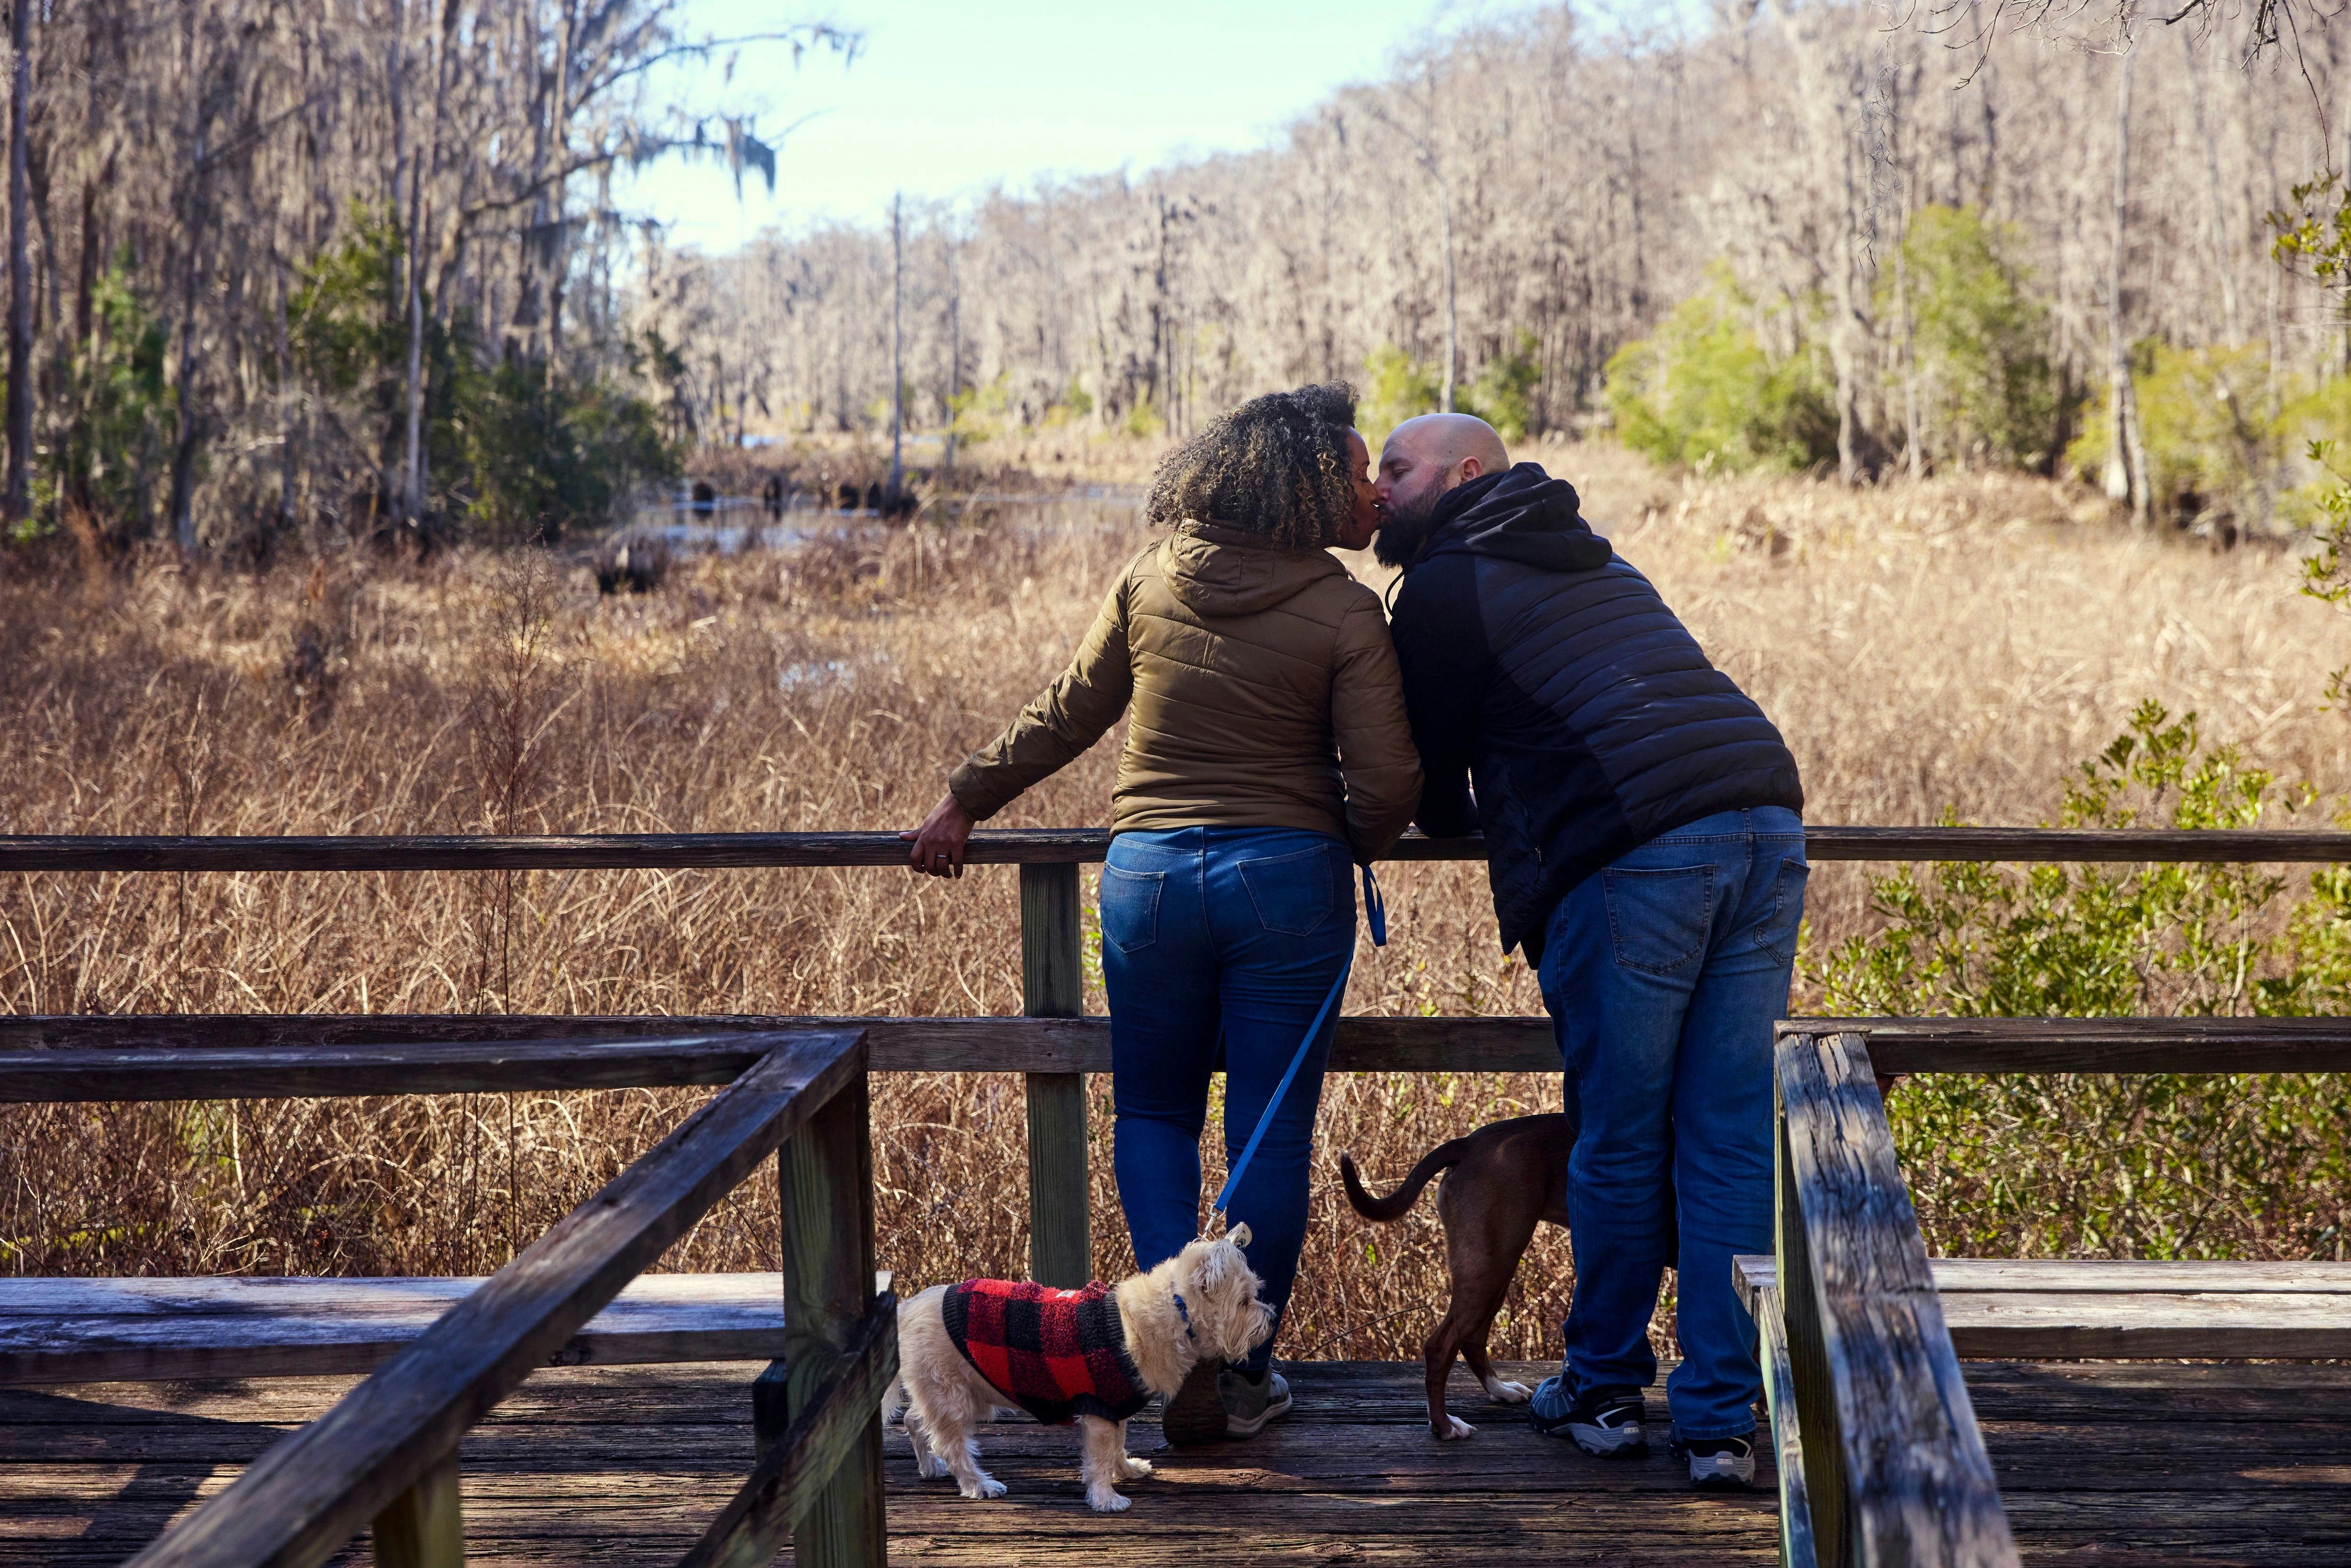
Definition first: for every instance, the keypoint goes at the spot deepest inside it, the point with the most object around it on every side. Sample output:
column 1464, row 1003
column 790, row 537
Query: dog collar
column 1183, row 1312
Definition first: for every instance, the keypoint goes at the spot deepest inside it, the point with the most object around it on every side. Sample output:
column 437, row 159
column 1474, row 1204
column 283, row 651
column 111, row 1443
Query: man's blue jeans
column 1209, row 932
column 1664, row 974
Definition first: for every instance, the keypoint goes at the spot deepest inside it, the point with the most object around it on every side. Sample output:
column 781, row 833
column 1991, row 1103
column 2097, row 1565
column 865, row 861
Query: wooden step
column 157, row 1330
column 2058, row 1309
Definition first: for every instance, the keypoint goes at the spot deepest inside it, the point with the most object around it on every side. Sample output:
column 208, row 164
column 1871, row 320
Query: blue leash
column 1375, row 912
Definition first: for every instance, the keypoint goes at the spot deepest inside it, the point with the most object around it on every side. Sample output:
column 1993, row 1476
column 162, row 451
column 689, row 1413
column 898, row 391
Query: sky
column 947, row 97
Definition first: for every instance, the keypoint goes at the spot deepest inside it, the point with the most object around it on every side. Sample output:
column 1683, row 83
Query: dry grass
column 1958, row 643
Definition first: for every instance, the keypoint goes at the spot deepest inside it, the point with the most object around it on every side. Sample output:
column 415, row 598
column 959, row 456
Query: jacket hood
column 1521, row 514
column 1219, row 570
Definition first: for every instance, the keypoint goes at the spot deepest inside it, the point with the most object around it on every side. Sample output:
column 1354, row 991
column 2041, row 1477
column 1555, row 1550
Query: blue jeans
column 1209, row 932
column 1663, row 974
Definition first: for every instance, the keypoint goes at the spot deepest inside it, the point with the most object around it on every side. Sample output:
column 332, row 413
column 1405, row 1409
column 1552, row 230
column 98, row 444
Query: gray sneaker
column 1249, row 1406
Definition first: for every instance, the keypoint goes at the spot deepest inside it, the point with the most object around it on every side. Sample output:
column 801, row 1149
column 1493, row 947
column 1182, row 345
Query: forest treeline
column 1808, row 233
column 282, row 269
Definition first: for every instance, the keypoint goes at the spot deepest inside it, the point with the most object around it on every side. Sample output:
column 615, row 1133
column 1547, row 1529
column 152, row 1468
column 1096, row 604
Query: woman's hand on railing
column 939, row 842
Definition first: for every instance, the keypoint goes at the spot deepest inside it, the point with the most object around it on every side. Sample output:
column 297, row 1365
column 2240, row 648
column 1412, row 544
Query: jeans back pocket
column 1292, row 893
column 1659, row 920
column 1777, row 933
column 1130, row 907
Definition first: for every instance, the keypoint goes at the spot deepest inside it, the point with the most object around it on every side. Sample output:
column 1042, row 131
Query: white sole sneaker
column 1277, row 1404
column 1732, row 1469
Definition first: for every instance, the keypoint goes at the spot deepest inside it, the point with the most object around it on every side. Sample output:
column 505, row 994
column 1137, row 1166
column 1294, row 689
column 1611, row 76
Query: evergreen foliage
column 1704, row 390
column 2143, row 1166
column 1504, row 396
column 111, row 443
column 513, row 454
column 1987, row 396
column 2214, row 436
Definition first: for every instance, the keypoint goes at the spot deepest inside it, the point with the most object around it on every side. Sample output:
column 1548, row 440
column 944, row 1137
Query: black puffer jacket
column 1544, row 668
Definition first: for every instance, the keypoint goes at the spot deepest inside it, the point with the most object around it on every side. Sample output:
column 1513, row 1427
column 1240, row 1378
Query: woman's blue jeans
column 1664, row 974
column 1210, row 934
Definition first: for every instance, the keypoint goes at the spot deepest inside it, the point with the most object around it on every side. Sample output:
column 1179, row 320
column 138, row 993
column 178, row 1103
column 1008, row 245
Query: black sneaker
column 1195, row 1412
column 1604, row 1422
column 1716, row 1463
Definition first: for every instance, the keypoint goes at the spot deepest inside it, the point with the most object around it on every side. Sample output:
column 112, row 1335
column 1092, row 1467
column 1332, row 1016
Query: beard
column 1406, row 530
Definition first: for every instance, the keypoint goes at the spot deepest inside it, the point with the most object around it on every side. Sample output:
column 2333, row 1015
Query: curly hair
column 1275, row 466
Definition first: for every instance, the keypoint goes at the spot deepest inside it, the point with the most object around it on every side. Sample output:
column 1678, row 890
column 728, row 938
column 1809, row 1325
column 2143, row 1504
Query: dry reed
column 1957, row 644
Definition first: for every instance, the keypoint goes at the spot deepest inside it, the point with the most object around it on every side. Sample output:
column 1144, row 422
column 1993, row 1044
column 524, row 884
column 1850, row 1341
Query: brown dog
column 1507, row 1178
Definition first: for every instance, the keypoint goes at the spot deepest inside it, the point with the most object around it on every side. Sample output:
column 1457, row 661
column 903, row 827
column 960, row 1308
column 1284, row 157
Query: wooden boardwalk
column 2117, row 1465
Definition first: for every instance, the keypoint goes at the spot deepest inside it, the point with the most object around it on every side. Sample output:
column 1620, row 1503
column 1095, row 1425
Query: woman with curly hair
column 1268, row 751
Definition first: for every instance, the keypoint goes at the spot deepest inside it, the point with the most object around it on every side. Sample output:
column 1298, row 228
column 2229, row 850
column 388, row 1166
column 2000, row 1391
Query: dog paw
column 988, row 1486
column 930, row 1469
column 1108, row 1502
column 1136, row 1469
column 1503, row 1393
column 1454, row 1430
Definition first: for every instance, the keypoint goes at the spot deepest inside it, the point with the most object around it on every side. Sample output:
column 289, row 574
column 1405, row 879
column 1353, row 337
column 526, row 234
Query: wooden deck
column 2119, row 1465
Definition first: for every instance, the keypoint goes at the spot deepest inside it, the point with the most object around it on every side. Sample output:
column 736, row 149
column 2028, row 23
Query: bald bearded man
column 1644, row 841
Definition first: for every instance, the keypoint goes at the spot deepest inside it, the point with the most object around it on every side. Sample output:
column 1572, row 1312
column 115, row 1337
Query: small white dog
column 1095, row 1355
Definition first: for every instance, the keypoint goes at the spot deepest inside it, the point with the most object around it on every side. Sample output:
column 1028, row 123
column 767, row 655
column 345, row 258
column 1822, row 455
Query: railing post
column 1816, row 1406
column 1052, row 985
column 424, row 1527
column 826, row 1173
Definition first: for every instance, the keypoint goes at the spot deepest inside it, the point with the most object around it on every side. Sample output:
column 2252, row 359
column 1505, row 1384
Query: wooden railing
column 1880, row 1456
column 386, row 1456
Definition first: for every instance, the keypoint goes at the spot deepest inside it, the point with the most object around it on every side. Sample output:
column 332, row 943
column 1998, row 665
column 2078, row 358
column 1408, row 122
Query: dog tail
column 1443, row 1157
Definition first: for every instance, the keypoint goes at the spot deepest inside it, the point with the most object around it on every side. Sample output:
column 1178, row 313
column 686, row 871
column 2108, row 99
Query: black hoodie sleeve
column 1440, row 641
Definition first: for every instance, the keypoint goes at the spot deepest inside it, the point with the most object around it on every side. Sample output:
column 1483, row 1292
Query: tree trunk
column 2125, row 475
column 2222, row 261
column 1452, row 299
column 20, row 271
column 897, row 343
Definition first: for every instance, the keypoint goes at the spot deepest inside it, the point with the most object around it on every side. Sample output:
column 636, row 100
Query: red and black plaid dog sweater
column 1056, row 1353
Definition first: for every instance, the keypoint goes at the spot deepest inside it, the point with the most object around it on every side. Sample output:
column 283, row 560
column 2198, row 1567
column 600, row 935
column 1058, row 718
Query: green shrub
column 343, row 316
column 2205, row 415
column 1986, row 393
column 112, row 439
column 1396, row 387
column 1504, row 395
column 2163, row 1165
column 1704, row 391
column 543, row 456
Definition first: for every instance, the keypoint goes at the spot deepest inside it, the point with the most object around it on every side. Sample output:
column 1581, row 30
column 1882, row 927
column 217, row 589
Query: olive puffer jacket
column 1266, row 695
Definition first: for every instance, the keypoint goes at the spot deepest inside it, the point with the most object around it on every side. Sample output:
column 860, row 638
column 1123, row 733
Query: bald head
column 1423, row 459
column 1448, row 440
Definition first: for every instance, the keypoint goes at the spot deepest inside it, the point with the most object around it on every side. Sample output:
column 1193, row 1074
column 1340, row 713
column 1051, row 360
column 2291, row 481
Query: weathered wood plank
column 1045, row 846
column 1920, row 1485
column 2096, row 1045
column 601, row 1464
column 1999, row 1309
column 149, row 1330
column 825, row 1177
column 756, row 1523
column 1052, row 986
column 433, row 1068
column 2094, row 1276
column 425, row 1527
column 1796, row 1545
column 309, row 1494
column 177, row 1057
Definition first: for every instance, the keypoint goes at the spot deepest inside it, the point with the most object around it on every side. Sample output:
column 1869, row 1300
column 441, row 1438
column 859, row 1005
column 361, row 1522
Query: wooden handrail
column 230, row 1056
column 398, row 1431
column 1049, row 846
column 753, row 1525
column 1895, row 1465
